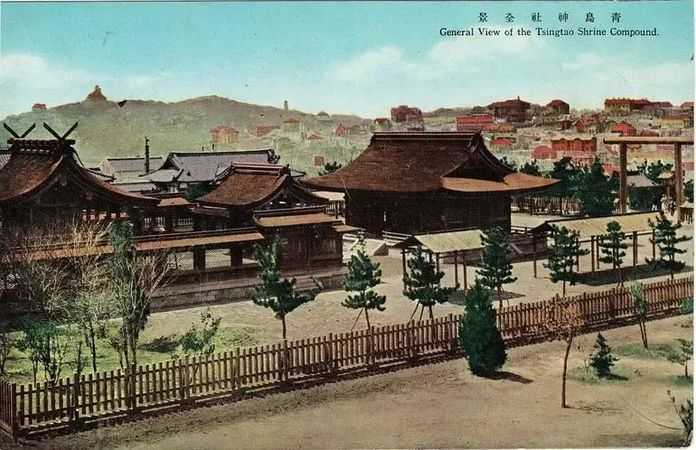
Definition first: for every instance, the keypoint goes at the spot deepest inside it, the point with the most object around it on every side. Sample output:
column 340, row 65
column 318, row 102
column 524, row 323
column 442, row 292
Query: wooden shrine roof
column 426, row 162
column 251, row 185
column 596, row 226
column 34, row 164
column 446, row 242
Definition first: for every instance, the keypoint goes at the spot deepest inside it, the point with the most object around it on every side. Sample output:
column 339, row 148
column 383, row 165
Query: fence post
column 74, row 407
column 14, row 422
column 284, row 373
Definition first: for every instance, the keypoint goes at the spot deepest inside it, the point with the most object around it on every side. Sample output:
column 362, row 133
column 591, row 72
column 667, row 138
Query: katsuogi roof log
column 428, row 162
column 36, row 165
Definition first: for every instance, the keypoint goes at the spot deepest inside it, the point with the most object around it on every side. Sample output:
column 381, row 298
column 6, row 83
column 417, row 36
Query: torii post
column 676, row 142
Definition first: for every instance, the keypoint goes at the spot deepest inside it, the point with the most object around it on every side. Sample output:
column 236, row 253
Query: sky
column 357, row 57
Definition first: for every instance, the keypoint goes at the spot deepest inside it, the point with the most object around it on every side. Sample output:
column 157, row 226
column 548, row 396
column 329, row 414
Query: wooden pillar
column 635, row 248
column 622, row 178
column 577, row 260
column 199, row 258
column 652, row 240
column 236, row 256
column 592, row 251
column 169, row 222
column 466, row 283
column 437, row 262
column 534, row 238
column 403, row 267
column 678, row 180
column 456, row 270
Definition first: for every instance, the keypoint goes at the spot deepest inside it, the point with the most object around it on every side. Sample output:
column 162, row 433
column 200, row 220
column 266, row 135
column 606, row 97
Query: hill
column 107, row 129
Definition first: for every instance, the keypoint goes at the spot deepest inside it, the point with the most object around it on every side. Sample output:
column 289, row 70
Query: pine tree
column 602, row 359
column 478, row 333
column 496, row 269
column 667, row 240
column 362, row 276
column 595, row 191
column 613, row 246
column 422, row 282
column 278, row 295
column 565, row 251
column 330, row 167
column 531, row 168
column 683, row 355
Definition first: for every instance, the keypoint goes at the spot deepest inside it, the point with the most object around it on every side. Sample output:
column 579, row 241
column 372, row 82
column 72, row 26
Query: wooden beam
column 635, row 248
column 623, row 189
column 456, row 270
column 534, row 253
column 592, row 252
column 403, row 267
column 466, row 284
column 649, row 140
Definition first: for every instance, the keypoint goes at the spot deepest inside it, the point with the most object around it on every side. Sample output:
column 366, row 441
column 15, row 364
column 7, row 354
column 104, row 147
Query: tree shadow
column 647, row 270
column 162, row 344
column 457, row 297
column 509, row 376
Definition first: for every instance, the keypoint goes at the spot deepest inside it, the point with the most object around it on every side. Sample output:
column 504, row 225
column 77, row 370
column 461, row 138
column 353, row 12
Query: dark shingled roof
column 34, row 163
column 427, row 162
column 250, row 185
column 206, row 166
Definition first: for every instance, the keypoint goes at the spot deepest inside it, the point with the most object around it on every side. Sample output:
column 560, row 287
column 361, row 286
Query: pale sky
column 359, row 58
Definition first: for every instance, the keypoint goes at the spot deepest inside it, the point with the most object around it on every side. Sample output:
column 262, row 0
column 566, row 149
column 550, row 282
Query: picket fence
column 75, row 402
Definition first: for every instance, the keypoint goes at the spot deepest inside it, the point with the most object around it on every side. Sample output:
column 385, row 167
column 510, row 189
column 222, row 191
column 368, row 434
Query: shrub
column 602, row 359
column 479, row 334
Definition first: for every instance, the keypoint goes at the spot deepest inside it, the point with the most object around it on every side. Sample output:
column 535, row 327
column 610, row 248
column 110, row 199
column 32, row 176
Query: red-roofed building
column 262, row 130
column 38, row 107
column 501, row 144
column 291, row 124
column 558, row 107
column 514, row 110
column 475, row 122
column 624, row 128
column 625, row 105
column 587, row 123
column 224, row 135
column 405, row 113
column 580, row 150
column 382, row 124
column 544, row 152
column 341, row 131
column 689, row 106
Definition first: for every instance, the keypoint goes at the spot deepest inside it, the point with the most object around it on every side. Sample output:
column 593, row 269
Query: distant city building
column 315, row 139
column 324, row 117
column 475, row 122
column 38, row 107
column 588, row 123
column 405, row 113
column 224, row 135
column 263, row 130
column 501, row 144
column 580, row 150
column 285, row 105
column 514, row 110
column 687, row 106
column 558, row 107
column 340, row 131
column 543, row 152
column 624, row 128
column 631, row 105
column 382, row 124
column 291, row 124
column 674, row 122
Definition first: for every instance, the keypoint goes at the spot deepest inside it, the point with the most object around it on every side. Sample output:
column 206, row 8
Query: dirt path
column 441, row 405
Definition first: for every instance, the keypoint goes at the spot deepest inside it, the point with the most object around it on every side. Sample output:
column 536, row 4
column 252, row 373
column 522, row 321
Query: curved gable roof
column 427, row 162
column 33, row 164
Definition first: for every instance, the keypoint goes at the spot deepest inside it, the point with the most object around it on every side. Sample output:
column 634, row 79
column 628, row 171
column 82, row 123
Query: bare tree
column 561, row 319
column 134, row 278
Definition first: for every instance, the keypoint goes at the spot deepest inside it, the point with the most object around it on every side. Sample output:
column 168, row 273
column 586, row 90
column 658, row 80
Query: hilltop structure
column 96, row 95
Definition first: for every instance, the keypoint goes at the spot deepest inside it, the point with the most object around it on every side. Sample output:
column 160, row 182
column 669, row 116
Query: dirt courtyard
column 442, row 405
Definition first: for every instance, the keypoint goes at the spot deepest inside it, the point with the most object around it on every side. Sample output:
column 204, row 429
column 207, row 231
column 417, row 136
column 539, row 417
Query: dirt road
column 441, row 405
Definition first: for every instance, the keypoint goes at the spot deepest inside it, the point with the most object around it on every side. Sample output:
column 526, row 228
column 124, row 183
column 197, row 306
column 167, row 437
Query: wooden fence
column 177, row 384
column 546, row 205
